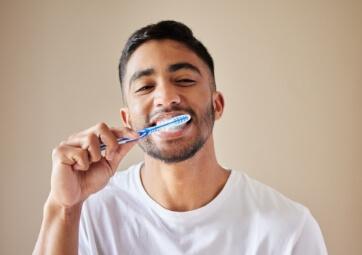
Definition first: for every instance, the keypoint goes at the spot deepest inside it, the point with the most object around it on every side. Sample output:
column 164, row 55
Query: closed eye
column 185, row 81
column 145, row 88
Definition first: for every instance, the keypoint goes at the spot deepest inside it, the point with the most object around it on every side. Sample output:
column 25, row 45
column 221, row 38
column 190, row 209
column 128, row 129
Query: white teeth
column 173, row 128
column 162, row 121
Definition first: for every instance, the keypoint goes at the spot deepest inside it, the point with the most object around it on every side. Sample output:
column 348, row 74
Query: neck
column 185, row 185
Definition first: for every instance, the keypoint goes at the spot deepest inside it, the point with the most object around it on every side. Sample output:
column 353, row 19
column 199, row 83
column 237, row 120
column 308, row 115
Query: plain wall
column 290, row 71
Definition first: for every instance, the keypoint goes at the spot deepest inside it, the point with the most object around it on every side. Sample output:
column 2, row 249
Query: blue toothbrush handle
column 122, row 140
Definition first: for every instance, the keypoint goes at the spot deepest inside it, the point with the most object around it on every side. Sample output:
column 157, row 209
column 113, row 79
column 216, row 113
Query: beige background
column 290, row 72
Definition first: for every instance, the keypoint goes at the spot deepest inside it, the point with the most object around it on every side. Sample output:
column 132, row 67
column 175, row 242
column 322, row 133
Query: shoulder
column 275, row 217
column 265, row 197
column 269, row 207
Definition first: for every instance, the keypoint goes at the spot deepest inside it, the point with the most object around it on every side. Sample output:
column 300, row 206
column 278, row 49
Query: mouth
column 160, row 119
column 171, row 131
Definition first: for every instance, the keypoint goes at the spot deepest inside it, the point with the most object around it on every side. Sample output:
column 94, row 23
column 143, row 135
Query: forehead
column 160, row 54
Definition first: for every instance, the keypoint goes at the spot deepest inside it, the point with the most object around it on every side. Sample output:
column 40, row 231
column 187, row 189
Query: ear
column 218, row 104
column 125, row 117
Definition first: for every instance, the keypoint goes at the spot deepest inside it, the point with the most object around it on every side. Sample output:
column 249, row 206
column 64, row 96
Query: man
column 179, row 200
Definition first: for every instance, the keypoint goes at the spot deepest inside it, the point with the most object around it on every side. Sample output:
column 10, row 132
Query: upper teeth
column 169, row 128
column 161, row 121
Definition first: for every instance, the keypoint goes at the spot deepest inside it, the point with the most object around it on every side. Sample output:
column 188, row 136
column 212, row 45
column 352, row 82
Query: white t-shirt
column 246, row 217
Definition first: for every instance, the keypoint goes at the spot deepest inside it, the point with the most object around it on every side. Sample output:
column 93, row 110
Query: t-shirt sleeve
column 83, row 242
column 310, row 240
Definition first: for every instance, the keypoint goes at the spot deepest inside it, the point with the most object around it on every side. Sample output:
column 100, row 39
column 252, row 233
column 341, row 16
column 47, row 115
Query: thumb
column 119, row 154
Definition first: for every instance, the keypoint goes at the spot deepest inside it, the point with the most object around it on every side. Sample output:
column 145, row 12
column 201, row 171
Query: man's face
column 164, row 79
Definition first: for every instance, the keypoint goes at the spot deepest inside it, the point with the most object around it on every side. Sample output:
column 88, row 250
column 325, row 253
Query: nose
column 166, row 95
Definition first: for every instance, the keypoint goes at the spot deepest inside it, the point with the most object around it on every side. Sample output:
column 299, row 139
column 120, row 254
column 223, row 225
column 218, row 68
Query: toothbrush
column 169, row 123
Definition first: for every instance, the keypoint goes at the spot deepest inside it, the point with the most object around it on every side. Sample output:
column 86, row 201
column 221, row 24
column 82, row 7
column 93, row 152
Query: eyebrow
column 141, row 73
column 183, row 65
column 172, row 68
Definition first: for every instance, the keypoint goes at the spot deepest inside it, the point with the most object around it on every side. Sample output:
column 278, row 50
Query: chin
column 173, row 151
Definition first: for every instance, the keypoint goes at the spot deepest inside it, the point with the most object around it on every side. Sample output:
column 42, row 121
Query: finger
column 69, row 155
column 125, row 132
column 89, row 142
column 81, row 159
column 120, row 154
column 121, row 133
column 86, row 140
column 107, row 137
column 92, row 144
column 90, row 139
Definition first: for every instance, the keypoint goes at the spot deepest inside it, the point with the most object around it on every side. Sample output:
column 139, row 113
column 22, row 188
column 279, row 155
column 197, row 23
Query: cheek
column 138, row 115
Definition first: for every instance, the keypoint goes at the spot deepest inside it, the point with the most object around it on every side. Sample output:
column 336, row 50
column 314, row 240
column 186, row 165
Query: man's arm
column 59, row 230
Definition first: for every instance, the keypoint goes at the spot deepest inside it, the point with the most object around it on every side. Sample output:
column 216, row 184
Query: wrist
column 53, row 209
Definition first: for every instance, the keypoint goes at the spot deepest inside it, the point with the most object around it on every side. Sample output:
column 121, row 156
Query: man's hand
column 79, row 168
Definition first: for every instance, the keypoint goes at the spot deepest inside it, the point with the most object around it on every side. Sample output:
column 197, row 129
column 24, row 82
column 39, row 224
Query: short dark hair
column 167, row 29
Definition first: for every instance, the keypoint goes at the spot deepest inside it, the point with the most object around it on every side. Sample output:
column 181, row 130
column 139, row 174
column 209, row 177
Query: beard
column 182, row 149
